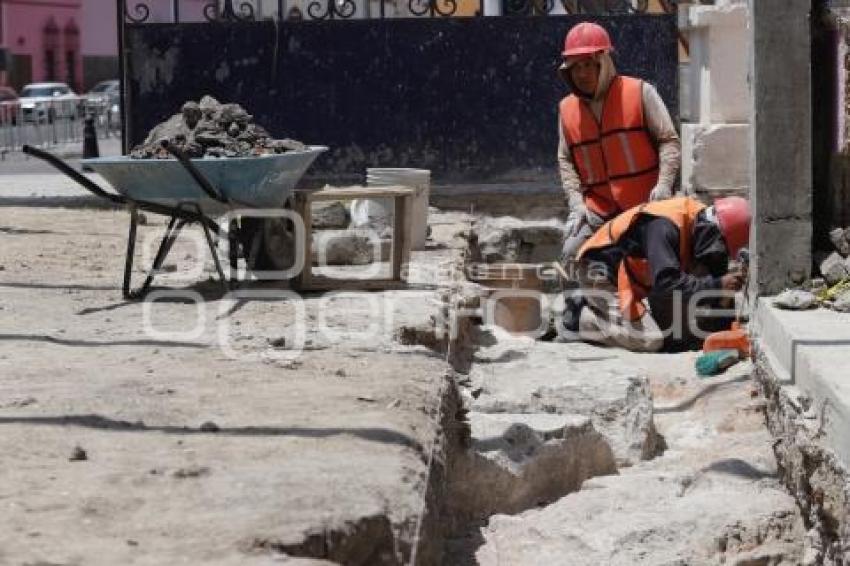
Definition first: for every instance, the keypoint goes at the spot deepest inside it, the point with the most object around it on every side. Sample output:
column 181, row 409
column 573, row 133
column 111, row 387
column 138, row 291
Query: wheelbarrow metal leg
column 164, row 247
column 233, row 251
column 131, row 250
column 222, row 279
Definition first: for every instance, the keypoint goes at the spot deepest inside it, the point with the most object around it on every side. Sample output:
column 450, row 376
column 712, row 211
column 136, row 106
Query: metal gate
column 466, row 88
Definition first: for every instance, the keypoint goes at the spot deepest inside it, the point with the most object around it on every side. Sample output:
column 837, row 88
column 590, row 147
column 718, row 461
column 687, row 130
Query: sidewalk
column 26, row 181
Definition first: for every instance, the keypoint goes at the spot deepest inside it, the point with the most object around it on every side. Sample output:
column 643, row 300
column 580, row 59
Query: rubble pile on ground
column 212, row 129
column 832, row 289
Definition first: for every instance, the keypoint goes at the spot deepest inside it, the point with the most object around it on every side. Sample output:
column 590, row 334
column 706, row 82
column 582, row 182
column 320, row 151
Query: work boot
column 573, row 303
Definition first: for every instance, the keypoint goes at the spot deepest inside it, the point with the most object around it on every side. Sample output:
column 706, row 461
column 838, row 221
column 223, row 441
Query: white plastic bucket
column 378, row 212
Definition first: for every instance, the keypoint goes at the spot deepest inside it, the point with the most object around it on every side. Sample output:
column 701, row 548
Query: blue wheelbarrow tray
column 263, row 181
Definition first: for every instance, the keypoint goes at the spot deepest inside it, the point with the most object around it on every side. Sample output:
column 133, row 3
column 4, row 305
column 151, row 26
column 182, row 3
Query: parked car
column 102, row 95
column 48, row 101
column 10, row 105
column 104, row 102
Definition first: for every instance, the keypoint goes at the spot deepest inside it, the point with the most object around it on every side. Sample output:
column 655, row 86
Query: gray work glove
column 575, row 221
column 660, row 192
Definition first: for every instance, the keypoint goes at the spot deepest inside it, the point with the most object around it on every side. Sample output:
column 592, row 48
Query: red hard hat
column 733, row 216
column 585, row 39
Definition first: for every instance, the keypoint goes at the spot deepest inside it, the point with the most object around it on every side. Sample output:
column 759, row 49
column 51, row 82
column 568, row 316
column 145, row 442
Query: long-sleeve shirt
column 657, row 240
column 661, row 130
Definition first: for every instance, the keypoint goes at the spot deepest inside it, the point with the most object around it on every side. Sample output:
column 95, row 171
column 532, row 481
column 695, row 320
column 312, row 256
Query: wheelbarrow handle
column 74, row 174
column 194, row 172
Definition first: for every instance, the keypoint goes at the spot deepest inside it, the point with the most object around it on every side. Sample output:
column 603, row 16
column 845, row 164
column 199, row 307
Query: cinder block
column 715, row 159
column 717, row 47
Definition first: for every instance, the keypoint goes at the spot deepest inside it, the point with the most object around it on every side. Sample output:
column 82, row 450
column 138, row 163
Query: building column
column 781, row 144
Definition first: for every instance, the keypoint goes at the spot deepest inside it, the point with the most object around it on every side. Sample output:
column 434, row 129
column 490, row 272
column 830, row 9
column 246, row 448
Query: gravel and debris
column 211, row 129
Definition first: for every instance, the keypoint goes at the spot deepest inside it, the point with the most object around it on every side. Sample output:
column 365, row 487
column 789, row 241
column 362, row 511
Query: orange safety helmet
column 733, row 216
column 586, row 38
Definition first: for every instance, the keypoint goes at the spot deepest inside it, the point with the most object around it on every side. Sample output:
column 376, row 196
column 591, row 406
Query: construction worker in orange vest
column 617, row 144
column 657, row 251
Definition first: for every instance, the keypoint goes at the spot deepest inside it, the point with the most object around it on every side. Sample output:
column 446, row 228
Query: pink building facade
column 41, row 41
column 72, row 41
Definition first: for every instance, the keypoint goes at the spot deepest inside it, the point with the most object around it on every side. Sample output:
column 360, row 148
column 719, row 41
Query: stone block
column 509, row 239
column 715, row 159
column 348, row 247
column 719, row 80
column 834, row 268
column 329, row 216
column 838, row 237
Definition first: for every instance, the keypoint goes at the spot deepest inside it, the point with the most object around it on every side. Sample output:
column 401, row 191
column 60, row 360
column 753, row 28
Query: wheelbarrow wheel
column 268, row 243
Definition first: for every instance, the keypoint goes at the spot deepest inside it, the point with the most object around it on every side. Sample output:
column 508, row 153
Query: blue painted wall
column 473, row 99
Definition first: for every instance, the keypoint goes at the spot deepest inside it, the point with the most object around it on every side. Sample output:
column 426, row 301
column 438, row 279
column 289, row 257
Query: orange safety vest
column 616, row 160
column 633, row 276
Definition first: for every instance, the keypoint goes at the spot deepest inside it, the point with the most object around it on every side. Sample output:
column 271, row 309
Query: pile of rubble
column 832, row 289
column 211, row 129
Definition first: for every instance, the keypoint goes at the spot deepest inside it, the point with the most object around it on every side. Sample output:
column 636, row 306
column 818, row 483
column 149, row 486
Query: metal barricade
column 51, row 123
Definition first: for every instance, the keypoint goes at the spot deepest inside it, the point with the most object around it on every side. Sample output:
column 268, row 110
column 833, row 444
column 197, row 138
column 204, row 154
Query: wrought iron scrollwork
column 432, row 7
column 331, row 9
column 605, row 7
column 528, row 7
column 228, row 12
column 139, row 14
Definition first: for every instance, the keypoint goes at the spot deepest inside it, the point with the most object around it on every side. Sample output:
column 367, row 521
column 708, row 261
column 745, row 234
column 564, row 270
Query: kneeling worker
column 656, row 251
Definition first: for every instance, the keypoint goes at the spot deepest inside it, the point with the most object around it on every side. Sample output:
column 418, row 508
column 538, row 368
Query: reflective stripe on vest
column 616, row 160
column 633, row 275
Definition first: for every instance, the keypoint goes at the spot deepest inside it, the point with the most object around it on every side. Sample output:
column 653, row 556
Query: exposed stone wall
column 811, row 472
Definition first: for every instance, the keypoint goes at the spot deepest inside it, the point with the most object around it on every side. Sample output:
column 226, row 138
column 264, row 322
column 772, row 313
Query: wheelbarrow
column 198, row 191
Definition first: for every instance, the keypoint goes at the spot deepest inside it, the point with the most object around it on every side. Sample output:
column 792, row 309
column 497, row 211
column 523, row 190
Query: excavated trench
column 503, row 459
column 501, row 463
column 502, row 450
column 507, row 455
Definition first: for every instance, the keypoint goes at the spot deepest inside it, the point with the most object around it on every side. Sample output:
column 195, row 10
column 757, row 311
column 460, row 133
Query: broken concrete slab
column 522, row 376
column 650, row 518
column 519, row 461
column 713, row 497
column 512, row 240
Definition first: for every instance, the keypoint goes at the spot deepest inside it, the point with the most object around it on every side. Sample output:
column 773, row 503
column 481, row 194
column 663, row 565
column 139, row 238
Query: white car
column 45, row 102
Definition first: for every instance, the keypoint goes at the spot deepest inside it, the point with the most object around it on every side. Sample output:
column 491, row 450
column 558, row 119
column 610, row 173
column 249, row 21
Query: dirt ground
column 178, row 432
column 203, row 428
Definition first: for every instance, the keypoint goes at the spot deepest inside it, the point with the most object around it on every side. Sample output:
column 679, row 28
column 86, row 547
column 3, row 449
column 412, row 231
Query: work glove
column 660, row 192
column 575, row 220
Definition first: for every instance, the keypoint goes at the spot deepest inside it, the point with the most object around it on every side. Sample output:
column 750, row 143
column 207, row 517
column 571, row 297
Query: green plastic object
column 713, row 363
